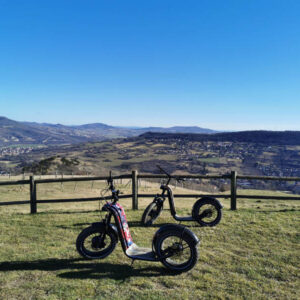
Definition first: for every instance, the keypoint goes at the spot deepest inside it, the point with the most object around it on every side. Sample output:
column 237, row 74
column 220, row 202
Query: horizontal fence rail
column 226, row 176
column 81, row 199
column 250, row 177
column 16, row 182
column 82, row 179
column 134, row 177
column 187, row 195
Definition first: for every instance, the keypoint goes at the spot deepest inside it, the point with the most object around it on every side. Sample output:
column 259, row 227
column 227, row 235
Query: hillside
column 14, row 133
column 25, row 133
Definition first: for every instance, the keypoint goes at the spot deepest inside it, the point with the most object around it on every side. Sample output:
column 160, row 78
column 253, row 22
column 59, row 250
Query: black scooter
column 207, row 211
column 175, row 246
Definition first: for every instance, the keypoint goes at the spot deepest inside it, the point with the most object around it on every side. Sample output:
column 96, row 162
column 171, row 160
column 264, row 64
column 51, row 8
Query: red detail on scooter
column 123, row 222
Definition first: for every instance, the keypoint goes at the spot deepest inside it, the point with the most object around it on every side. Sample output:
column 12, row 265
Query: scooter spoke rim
column 87, row 244
column 207, row 213
column 179, row 258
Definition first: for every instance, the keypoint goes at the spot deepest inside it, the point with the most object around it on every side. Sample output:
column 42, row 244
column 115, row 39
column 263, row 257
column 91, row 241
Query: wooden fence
column 134, row 176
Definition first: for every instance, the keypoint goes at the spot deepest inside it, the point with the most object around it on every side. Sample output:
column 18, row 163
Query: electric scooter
column 175, row 246
column 207, row 211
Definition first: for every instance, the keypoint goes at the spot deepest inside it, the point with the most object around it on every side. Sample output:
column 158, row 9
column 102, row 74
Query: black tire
column 182, row 261
column 90, row 243
column 151, row 213
column 207, row 212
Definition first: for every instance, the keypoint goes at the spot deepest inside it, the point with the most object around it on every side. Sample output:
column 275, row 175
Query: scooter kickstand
column 131, row 265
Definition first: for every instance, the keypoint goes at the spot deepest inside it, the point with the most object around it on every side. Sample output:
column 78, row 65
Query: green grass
column 252, row 254
column 210, row 159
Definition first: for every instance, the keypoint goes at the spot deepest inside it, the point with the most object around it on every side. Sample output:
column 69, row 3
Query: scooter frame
column 159, row 199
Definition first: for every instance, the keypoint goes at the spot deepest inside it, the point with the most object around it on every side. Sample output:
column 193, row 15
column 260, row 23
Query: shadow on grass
column 79, row 269
column 139, row 224
column 57, row 212
column 186, row 224
column 73, row 227
column 276, row 210
column 130, row 224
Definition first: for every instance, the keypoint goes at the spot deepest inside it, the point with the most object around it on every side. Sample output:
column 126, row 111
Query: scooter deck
column 136, row 252
column 178, row 218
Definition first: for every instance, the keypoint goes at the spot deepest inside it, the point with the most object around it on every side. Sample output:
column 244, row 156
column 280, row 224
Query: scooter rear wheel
column 151, row 213
column 181, row 249
column 207, row 212
column 96, row 242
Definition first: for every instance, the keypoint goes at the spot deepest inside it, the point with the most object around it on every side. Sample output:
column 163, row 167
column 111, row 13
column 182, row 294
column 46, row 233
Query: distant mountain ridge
column 179, row 129
column 255, row 136
column 14, row 132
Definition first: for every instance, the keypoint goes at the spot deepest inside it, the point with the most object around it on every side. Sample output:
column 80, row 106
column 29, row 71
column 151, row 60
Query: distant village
column 246, row 158
column 7, row 153
column 14, row 151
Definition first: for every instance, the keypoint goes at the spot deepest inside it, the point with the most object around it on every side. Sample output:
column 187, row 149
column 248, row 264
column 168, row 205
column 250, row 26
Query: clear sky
column 215, row 64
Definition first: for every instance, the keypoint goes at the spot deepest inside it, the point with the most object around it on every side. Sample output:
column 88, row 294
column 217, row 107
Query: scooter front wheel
column 207, row 212
column 151, row 213
column 96, row 242
column 177, row 250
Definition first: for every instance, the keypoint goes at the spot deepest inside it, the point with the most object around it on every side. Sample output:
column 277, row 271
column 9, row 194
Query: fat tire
column 147, row 211
column 95, row 254
column 205, row 201
column 193, row 250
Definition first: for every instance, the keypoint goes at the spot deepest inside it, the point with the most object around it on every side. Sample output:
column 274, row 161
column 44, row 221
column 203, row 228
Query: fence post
column 32, row 195
column 233, row 190
column 134, row 190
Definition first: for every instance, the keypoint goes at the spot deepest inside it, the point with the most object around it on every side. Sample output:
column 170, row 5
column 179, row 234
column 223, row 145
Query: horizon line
column 153, row 126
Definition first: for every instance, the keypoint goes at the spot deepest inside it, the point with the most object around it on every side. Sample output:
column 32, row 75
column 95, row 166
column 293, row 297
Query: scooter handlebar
column 170, row 176
column 163, row 171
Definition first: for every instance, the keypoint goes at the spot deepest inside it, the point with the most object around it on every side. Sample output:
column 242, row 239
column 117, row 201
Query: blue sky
column 216, row 64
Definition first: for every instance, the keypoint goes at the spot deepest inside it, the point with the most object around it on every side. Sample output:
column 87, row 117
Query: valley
column 177, row 153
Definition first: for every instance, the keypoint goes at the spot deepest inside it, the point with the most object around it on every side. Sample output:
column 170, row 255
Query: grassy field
column 252, row 254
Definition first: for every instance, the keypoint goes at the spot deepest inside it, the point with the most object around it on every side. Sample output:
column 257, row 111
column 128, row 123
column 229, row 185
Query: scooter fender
column 174, row 227
column 111, row 227
column 216, row 202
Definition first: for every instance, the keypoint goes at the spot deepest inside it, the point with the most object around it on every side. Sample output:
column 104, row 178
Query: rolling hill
column 19, row 133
